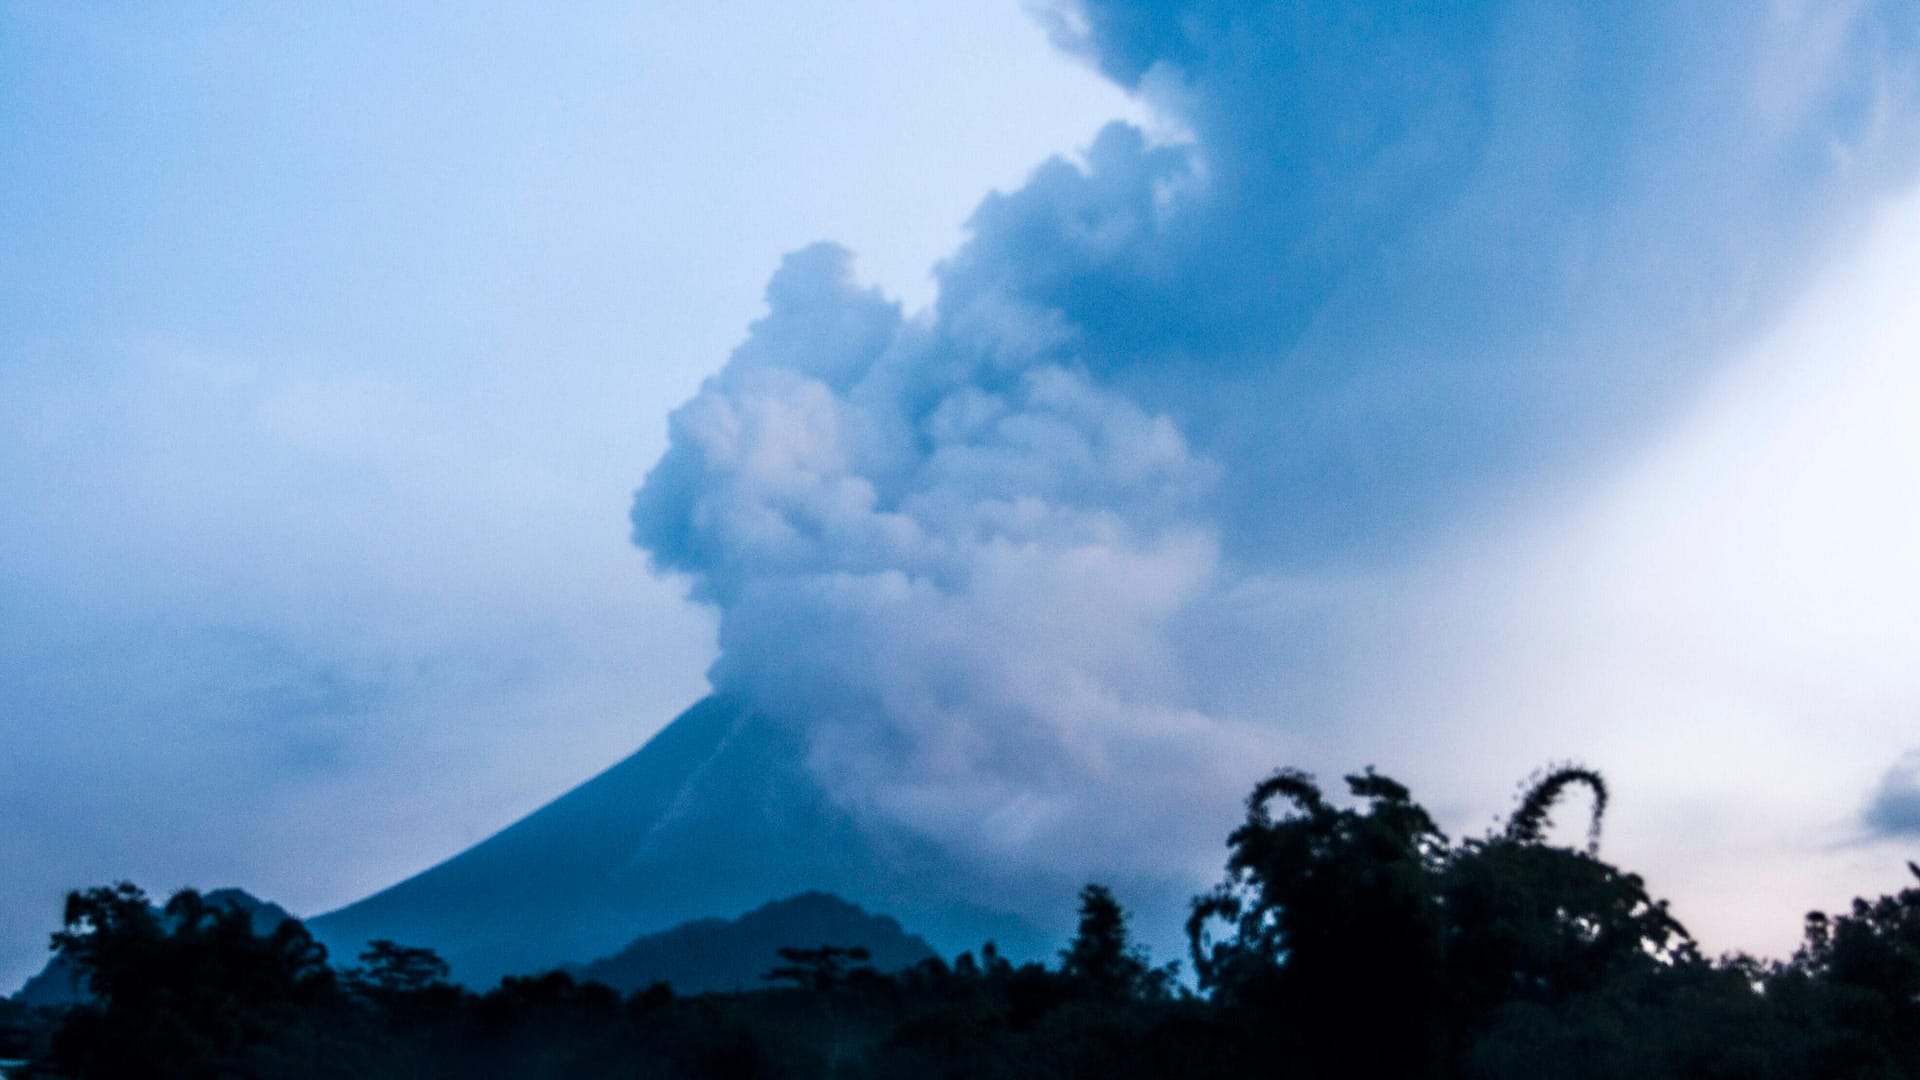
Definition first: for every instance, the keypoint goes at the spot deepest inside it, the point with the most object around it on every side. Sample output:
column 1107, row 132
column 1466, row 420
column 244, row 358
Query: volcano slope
column 714, row 816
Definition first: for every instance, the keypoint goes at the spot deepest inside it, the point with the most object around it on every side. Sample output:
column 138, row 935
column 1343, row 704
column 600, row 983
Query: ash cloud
column 1397, row 263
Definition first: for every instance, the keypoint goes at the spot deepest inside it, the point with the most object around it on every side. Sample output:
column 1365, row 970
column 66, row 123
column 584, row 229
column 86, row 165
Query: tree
column 1332, row 920
column 391, row 969
column 1393, row 946
column 1101, row 959
column 190, row 989
column 1528, row 920
column 1531, row 819
column 818, row 969
column 1864, row 966
column 820, row 972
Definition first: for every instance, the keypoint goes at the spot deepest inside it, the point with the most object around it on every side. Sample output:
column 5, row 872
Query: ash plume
column 1378, row 261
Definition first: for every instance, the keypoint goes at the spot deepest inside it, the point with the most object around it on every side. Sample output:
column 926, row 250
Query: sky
column 403, row 415
column 332, row 348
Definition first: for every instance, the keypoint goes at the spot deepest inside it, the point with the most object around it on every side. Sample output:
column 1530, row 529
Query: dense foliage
column 1346, row 939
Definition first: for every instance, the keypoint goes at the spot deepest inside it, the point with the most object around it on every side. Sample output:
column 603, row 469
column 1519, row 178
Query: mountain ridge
column 717, row 954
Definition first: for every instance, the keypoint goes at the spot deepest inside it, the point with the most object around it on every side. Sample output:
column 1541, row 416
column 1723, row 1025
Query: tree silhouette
column 1332, row 919
column 1393, row 945
column 1529, row 920
column 818, row 969
column 389, row 968
column 820, row 972
column 188, row 990
column 1101, row 959
column 1530, row 819
column 1348, row 938
column 1867, row 960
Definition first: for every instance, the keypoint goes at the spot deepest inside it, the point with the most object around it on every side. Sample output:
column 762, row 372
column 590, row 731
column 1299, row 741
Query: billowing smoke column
column 1396, row 255
column 951, row 554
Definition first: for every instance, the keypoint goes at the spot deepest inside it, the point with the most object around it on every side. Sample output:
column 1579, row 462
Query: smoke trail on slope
column 1404, row 258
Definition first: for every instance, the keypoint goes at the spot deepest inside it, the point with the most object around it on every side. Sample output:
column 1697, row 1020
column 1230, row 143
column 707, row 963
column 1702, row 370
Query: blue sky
column 1446, row 392
column 331, row 350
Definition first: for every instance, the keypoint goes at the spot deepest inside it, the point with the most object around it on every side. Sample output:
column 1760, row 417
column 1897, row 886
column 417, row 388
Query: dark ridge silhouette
column 715, row 813
column 720, row 954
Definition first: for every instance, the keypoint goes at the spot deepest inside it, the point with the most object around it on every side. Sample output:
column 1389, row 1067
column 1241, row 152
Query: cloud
column 1894, row 808
column 1183, row 409
column 1429, row 243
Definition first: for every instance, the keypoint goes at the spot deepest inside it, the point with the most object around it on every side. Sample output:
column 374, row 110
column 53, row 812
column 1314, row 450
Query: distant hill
column 716, row 813
column 721, row 955
column 58, row 984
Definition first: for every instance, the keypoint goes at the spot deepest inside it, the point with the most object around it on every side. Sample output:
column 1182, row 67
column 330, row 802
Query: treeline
column 1348, row 938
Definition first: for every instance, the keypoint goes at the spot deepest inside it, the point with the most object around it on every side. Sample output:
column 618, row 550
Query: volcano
column 714, row 816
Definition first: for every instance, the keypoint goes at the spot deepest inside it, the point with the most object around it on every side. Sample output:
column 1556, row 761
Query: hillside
column 726, row 955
